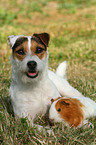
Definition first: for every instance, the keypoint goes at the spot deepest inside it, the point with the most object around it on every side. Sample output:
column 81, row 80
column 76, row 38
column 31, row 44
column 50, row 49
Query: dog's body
column 33, row 85
column 32, row 98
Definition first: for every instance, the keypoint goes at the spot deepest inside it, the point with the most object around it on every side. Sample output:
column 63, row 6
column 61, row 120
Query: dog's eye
column 20, row 52
column 39, row 50
column 59, row 110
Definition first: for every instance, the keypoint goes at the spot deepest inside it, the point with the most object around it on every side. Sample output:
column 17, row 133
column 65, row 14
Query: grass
column 72, row 27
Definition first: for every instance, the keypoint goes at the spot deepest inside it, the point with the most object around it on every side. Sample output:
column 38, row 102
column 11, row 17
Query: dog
column 32, row 84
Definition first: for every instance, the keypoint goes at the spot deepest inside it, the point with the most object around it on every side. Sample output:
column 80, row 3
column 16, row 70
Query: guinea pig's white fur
column 88, row 108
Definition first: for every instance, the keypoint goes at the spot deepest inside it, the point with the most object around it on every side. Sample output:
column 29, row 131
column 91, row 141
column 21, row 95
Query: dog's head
column 29, row 55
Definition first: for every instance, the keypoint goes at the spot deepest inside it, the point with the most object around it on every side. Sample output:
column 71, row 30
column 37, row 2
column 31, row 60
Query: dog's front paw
column 45, row 130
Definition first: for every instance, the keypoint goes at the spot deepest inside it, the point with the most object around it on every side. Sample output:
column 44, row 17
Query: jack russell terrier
column 33, row 85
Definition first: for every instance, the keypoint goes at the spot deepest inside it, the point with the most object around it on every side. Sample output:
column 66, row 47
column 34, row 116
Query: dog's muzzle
column 32, row 72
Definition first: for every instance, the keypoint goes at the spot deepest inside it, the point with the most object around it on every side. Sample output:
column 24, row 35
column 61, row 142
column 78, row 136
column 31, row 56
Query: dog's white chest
column 32, row 101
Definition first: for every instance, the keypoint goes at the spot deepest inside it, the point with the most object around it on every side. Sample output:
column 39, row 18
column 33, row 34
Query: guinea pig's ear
column 52, row 100
column 12, row 39
column 44, row 37
column 65, row 103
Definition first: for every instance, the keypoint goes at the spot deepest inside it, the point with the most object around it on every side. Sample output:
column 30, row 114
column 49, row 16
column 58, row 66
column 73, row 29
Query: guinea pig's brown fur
column 70, row 110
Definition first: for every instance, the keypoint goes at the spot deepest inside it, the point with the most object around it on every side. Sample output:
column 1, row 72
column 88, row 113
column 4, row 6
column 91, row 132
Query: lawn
column 72, row 28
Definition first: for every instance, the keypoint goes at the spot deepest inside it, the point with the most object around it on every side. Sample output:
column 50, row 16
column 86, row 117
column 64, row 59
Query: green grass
column 72, row 27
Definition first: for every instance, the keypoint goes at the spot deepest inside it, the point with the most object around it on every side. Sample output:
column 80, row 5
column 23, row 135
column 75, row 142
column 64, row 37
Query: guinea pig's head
column 67, row 110
column 54, row 116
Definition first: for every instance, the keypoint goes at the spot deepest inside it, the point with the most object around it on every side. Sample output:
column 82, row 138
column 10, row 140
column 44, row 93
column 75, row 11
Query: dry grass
column 72, row 26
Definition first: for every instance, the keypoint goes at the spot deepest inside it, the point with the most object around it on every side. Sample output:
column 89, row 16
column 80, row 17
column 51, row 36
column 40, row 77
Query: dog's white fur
column 32, row 96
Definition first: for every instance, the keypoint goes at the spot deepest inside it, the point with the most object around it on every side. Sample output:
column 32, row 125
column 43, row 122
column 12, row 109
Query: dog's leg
column 64, row 88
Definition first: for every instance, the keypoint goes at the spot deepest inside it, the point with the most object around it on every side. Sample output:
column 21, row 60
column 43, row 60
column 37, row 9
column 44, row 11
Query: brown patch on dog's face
column 37, row 46
column 21, row 51
column 70, row 110
column 38, row 49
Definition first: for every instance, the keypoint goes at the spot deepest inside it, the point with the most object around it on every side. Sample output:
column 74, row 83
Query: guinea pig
column 72, row 111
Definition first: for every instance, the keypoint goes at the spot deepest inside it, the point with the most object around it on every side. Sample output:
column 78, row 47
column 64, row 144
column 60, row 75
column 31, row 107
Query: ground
column 72, row 28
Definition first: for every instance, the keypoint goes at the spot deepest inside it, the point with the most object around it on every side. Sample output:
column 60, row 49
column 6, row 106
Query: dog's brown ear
column 44, row 37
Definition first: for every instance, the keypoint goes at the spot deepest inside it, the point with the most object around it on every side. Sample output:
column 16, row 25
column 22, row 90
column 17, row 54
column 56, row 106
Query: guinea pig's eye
column 59, row 110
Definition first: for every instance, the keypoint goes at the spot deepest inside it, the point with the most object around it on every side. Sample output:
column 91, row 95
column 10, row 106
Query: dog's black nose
column 31, row 64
